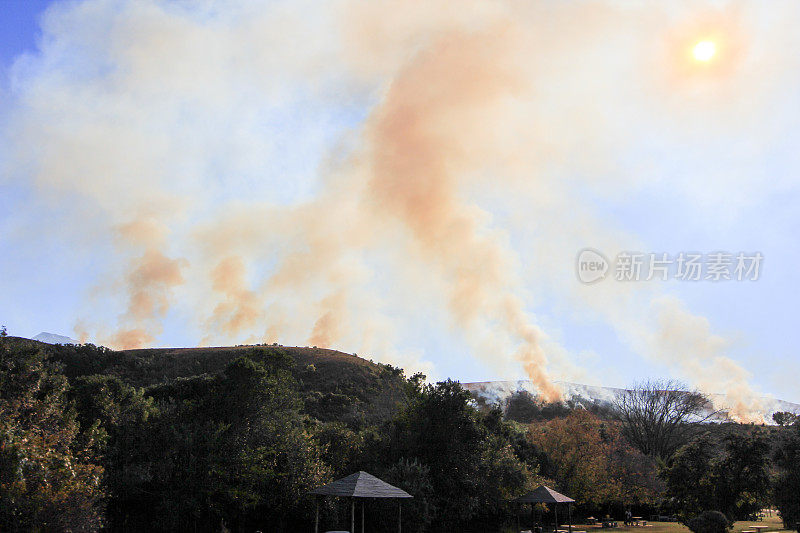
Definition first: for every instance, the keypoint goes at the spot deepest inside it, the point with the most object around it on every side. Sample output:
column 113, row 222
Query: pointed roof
column 543, row 494
column 361, row 485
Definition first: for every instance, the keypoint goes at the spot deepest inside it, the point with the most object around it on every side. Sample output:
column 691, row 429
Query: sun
column 704, row 51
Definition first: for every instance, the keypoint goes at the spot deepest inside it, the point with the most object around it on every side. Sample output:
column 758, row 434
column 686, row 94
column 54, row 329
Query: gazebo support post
column 316, row 515
column 555, row 507
column 362, row 516
column 400, row 516
column 569, row 515
column 352, row 515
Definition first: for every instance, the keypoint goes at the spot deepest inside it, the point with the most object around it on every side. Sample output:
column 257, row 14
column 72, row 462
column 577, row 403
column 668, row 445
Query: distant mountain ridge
column 498, row 391
column 52, row 338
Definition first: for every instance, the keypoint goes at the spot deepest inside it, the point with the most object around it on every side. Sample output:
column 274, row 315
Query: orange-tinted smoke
column 151, row 278
column 240, row 310
column 130, row 339
column 420, row 139
column 327, row 328
column 149, row 283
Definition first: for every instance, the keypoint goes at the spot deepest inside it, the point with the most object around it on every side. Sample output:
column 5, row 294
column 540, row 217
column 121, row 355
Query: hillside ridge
column 499, row 391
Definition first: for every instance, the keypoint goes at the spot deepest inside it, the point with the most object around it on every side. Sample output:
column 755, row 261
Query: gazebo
column 360, row 485
column 543, row 494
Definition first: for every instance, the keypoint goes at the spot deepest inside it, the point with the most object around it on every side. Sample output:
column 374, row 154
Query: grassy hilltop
column 335, row 386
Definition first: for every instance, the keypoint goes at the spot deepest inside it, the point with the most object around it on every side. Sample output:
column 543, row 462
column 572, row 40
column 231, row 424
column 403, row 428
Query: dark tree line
column 237, row 447
column 237, row 450
column 787, row 483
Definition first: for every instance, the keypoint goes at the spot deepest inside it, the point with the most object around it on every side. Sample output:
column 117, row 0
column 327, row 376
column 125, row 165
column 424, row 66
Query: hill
column 597, row 398
column 52, row 338
column 335, row 386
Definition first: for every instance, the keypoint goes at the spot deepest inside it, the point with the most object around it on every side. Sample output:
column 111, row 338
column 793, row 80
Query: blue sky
column 675, row 162
column 20, row 19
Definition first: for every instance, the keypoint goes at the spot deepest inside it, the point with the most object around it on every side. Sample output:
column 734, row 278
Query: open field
column 773, row 523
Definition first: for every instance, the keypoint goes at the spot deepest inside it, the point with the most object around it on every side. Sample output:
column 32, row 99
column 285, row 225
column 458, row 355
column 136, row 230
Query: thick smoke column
column 418, row 139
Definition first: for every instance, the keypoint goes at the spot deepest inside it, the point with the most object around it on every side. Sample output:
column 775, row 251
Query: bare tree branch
column 656, row 415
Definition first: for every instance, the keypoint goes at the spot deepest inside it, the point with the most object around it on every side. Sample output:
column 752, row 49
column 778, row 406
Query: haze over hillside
column 498, row 391
column 181, row 362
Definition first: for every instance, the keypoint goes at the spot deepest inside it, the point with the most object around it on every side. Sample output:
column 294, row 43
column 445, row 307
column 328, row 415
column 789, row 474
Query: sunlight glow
column 704, row 51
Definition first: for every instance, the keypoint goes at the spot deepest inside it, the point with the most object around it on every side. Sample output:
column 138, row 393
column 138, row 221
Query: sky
column 394, row 180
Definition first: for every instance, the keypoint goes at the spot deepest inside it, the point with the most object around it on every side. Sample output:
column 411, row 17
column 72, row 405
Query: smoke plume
column 338, row 175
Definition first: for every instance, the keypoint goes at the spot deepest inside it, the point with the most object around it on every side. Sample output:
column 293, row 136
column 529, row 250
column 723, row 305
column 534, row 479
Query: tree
column 731, row 476
column 472, row 469
column 592, row 463
column 656, row 416
column 123, row 413
column 785, row 418
column 3, row 331
column 786, row 488
column 233, row 449
column 524, row 407
column 49, row 476
column 743, row 481
column 690, row 478
column 415, row 478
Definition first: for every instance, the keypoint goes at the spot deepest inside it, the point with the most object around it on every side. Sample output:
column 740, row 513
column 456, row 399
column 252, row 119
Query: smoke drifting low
column 267, row 175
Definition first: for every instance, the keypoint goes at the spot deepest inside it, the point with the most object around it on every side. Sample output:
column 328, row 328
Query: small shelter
column 542, row 494
column 360, row 485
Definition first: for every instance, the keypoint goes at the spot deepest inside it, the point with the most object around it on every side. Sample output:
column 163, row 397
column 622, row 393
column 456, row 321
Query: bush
column 709, row 522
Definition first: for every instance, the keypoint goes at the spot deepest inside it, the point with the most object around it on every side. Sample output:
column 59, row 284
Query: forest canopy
column 235, row 438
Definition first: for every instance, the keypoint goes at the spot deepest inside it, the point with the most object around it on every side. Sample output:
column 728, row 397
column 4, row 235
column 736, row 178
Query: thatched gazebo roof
column 543, row 494
column 361, row 485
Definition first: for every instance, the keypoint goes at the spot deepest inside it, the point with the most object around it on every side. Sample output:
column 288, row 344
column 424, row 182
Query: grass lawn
column 773, row 523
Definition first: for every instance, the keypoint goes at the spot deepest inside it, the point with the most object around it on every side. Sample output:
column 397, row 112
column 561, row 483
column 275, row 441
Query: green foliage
column 340, row 446
column 208, row 439
column 49, row 476
column 731, row 476
column 709, row 522
column 3, row 331
column 785, row 418
column 415, row 478
column 228, row 449
column 524, row 407
column 123, row 413
column 787, row 481
column 471, row 469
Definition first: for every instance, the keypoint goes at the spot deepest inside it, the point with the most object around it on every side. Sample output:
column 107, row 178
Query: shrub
column 709, row 522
